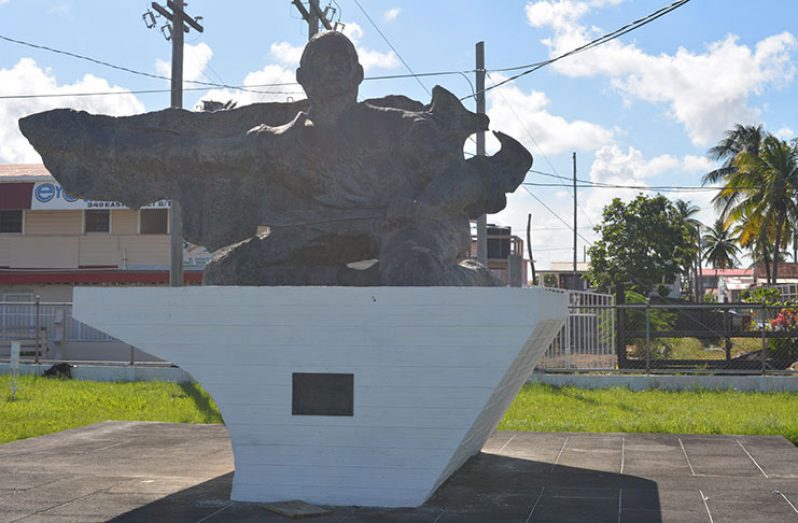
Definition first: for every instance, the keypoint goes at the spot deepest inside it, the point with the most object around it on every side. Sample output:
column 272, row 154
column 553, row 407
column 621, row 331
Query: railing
column 587, row 340
column 55, row 317
column 738, row 338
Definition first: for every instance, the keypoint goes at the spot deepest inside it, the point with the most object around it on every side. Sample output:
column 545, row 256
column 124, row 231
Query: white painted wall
column 434, row 369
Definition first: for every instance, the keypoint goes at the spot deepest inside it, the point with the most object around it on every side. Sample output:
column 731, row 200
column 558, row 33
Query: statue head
column 329, row 68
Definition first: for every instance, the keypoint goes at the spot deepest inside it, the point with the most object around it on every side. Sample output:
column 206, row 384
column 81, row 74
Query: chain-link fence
column 682, row 337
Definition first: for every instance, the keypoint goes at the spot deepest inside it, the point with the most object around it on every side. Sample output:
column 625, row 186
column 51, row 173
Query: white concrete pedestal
column 434, row 369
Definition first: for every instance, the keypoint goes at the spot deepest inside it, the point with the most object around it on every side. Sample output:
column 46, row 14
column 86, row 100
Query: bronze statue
column 336, row 181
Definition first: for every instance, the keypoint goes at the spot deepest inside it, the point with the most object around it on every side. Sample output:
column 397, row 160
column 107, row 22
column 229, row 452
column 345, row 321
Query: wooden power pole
column 482, row 221
column 313, row 15
column 180, row 23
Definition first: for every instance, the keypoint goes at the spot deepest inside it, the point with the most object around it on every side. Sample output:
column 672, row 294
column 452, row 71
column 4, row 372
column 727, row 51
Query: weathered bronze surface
column 336, row 181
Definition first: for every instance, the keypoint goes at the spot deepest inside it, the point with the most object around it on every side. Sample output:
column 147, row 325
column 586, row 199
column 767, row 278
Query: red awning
column 94, row 277
column 15, row 196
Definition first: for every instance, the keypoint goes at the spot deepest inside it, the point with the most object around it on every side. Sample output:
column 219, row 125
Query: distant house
column 562, row 272
column 788, row 273
column 51, row 241
column 727, row 284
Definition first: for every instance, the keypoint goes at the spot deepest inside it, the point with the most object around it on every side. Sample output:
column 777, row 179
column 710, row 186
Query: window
column 154, row 221
column 10, row 221
column 97, row 220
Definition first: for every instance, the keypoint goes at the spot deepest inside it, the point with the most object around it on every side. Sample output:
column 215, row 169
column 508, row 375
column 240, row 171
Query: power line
column 416, row 76
column 407, row 66
column 529, row 134
column 593, row 43
column 676, row 188
column 569, row 226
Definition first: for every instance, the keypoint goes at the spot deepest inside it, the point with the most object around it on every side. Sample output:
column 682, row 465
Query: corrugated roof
column 23, row 172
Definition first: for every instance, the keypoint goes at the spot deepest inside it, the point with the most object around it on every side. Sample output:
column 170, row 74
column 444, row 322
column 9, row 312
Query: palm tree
column 721, row 247
column 742, row 138
column 767, row 183
column 686, row 212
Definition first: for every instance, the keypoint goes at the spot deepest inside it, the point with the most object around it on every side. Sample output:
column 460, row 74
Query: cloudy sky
column 641, row 110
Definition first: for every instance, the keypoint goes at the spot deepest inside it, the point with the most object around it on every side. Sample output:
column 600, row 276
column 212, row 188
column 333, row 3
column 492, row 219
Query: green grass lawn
column 44, row 406
column 567, row 409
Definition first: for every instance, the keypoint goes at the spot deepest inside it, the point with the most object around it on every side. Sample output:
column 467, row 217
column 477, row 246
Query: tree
column 721, row 247
column 687, row 212
column 764, row 188
column 644, row 243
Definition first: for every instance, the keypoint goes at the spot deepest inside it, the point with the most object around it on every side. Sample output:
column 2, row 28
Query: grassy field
column 44, row 406
column 553, row 409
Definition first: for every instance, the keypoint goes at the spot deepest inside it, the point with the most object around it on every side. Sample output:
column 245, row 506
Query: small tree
column 644, row 243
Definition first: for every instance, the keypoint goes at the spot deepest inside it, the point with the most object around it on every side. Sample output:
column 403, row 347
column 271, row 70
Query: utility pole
column 482, row 221
column 576, row 273
column 180, row 23
column 313, row 14
column 529, row 245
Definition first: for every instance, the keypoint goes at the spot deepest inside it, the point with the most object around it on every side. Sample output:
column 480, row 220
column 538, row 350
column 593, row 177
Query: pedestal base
column 367, row 396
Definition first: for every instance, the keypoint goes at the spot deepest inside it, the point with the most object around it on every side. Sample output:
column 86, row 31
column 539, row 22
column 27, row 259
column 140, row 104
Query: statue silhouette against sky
column 336, row 181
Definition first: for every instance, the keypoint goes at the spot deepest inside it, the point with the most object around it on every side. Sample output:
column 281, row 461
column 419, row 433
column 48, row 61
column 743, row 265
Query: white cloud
column 706, row 92
column 26, row 77
column 553, row 134
column 258, row 89
column 391, row 14
column 195, row 61
column 612, row 165
column 785, row 133
column 697, row 164
column 289, row 54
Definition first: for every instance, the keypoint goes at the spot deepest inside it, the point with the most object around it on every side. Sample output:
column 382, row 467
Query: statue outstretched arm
column 207, row 161
column 129, row 159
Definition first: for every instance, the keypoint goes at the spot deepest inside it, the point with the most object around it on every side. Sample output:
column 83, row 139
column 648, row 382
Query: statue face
column 330, row 68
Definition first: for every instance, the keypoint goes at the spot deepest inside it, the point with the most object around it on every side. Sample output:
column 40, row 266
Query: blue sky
column 642, row 110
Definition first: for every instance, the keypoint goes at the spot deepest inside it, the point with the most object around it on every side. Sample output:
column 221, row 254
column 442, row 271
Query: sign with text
column 50, row 196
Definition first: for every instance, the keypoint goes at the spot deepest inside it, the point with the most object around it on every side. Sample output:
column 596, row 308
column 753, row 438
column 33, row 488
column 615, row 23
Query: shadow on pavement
column 489, row 487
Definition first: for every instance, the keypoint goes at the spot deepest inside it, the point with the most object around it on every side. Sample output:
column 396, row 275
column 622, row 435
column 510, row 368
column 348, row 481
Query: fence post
column 763, row 355
column 727, row 328
column 648, row 336
column 620, row 326
column 38, row 330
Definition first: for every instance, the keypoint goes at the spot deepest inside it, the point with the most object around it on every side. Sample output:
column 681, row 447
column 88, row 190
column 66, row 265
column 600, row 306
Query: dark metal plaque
column 317, row 394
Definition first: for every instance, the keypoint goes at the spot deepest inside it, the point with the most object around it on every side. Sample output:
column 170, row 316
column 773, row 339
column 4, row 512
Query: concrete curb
column 741, row 383
column 91, row 372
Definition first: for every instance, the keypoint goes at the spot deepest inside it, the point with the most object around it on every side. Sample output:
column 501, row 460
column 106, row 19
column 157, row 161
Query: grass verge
column 44, row 405
column 544, row 408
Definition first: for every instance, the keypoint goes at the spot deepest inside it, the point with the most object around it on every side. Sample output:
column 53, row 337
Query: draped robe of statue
column 330, row 181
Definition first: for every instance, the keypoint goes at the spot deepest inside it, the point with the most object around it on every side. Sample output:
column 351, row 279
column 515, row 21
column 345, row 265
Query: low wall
column 110, row 372
column 640, row 382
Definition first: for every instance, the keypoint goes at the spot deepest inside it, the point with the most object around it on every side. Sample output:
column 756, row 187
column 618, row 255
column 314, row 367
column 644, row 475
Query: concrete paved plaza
column 174, row 472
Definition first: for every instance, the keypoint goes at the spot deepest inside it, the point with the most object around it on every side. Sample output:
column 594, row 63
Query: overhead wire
column 593, row 43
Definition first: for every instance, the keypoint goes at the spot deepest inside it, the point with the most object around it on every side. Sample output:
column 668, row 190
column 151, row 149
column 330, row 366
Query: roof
column 24, row 172
column 708, row 271
column 787, row 271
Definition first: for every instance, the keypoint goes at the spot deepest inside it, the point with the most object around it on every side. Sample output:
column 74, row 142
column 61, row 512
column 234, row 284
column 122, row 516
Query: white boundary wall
column 434, row 370
column 665, row 382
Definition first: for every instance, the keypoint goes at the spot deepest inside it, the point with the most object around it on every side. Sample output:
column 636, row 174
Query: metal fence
column 54, row 317
column 734, row 338
column 599, row 334
column 587, row 340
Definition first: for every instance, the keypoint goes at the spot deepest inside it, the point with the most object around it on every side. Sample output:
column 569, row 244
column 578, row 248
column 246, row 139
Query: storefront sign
column 51, row 196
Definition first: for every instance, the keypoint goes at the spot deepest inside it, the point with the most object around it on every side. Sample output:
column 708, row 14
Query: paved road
column 175, row 472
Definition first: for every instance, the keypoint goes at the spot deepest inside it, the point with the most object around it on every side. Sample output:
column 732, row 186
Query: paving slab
column 134, row 471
